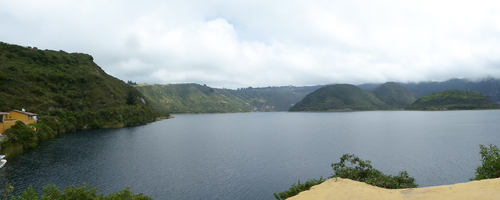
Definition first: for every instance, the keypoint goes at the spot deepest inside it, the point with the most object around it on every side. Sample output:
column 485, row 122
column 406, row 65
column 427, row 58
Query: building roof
column 24, row 112
column 4, row 113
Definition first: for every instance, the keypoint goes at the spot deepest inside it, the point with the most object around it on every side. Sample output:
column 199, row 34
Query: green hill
column 454, row 100
column 342, row 97
column 192, row 98
column 195, row 98
column 68, row 90
column 394, row 95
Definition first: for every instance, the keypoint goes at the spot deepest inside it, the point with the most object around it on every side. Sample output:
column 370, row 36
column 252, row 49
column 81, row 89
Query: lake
column 252, row 155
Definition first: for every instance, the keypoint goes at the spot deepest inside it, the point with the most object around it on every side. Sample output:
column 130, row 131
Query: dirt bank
column 349, row 189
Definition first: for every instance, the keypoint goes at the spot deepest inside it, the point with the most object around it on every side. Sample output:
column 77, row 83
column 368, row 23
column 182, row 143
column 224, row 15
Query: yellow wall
column 18, row 116
column 10, row 120
column 6, row 125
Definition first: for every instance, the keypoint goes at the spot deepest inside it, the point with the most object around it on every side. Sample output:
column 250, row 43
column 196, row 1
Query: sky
column 235, row 44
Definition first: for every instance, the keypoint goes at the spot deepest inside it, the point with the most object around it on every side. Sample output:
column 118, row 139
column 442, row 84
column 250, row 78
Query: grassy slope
column 192, row 98
column 195, row 98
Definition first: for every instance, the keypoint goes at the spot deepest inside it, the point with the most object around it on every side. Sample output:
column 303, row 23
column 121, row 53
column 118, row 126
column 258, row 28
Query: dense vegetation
column 341, row 97
column 358, row 170
column 361, row 170
column 68, row 91
column 490, row 163
column 453, row 100
column 83, row 192
column 196, row 98
column 394, row 95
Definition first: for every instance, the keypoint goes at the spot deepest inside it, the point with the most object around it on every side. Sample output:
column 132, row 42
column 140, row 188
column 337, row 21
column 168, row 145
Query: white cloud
column 266, row 43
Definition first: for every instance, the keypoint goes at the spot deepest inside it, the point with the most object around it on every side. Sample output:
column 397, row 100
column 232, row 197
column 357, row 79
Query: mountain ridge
column 196, row 98
column 453, row 100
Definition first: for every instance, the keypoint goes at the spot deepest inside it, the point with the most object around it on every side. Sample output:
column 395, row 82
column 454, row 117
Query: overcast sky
column 263, row 43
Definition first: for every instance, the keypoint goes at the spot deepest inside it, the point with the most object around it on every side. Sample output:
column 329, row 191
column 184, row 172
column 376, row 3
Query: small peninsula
column 454, row 100
column 345, row 97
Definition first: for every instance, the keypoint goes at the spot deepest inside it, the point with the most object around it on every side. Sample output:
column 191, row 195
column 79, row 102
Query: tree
column 22, row 134
column 490, row 167
column 131, row 98
column 362, row 170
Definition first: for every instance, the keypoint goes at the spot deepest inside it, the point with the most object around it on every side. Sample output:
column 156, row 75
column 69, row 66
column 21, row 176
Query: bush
column 22, row 134
column 490, row 167
column 361, row 170
column 297, row 188
column 77, row 193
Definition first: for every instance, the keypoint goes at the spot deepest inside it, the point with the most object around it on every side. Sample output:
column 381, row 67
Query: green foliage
column 131, row 82
column 298, row 187
column 454, row 100
column 22, row 134
column 83, row 192
column 361, row 170
column 341, row 97
column 394, row 95
column 8, row 188
column 490, row 167
column 131, row 98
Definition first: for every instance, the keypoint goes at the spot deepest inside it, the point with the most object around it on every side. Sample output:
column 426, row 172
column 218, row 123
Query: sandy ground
column 349, row 189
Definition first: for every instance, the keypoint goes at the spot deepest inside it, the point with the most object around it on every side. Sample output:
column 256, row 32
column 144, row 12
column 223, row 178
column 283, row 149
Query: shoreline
column 338, row 188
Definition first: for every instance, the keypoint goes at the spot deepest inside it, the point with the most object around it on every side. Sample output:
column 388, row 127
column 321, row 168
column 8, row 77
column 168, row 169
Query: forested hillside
column 394, row 95
column 344, row 97
column 68, row 91
column 341, row 97
column 196, row 98
column 454, row 100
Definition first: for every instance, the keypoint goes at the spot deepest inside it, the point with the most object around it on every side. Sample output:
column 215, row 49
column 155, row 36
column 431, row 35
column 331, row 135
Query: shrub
column 297, row 188
column 81, row 193
column 490, row 167
column 361, row 170
column 22, row 134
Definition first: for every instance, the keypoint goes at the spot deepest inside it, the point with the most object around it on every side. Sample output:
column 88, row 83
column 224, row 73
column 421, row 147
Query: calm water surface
column 252, row 155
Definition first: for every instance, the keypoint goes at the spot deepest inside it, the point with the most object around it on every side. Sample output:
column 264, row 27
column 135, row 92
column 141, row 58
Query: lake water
column 252, row 155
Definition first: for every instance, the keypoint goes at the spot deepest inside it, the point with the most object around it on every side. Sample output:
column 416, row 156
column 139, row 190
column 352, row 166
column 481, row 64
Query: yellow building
column 9, row 119
column 2, row 124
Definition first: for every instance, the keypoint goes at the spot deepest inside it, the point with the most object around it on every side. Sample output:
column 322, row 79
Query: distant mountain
column 341, row 97
column 488, row 86
column 429, row 87
column 394, row 95
column 454, row 100
column 196, row 98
